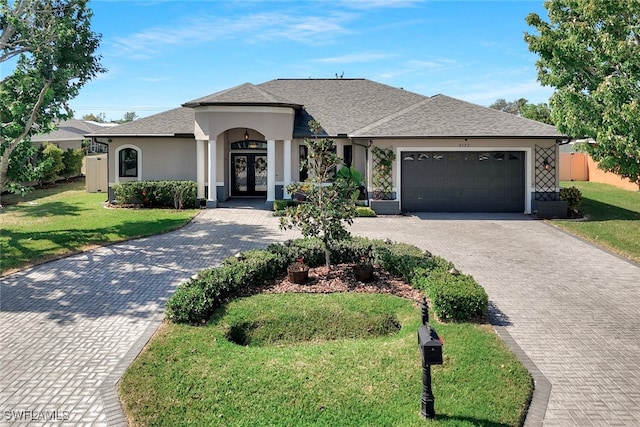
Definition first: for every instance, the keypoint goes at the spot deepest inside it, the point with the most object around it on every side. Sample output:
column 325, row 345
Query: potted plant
column 298, row 272
column 363, row 269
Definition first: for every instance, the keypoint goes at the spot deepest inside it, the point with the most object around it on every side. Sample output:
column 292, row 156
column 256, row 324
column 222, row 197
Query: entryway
column 248, row 174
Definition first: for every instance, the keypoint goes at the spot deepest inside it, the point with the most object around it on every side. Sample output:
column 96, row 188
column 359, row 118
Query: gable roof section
column 245, row 94
column 443, row 116
column 341, row 106
column 179, row 121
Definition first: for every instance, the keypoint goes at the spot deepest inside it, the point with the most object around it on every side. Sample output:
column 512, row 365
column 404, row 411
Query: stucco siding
column 161, row 158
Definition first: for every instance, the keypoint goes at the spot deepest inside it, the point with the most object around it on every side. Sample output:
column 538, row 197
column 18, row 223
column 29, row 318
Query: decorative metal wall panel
column 545, row 173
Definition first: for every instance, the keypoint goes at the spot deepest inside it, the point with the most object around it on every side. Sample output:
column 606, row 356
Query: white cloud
column 155, row 79
column 150, row 42
column 376, row 4
column 355, row 58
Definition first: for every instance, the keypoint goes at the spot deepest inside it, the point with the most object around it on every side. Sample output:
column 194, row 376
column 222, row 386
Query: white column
column 340, row 152
column 212, row 200
column 271, row 170
column 287, row 167
column 200, row 168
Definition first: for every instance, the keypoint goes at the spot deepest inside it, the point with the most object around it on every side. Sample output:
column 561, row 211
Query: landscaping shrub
column 51, row 157
column 456, row 297
column 573, row 196
column 195, row 300
column 317, row 323
column 400, row 259
column 159, row 194
column 72, row 160
column 281, row 204
column 453, row 296
column 363, row 211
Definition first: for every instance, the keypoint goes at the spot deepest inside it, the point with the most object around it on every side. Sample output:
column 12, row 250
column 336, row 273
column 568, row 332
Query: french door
column 248, row 175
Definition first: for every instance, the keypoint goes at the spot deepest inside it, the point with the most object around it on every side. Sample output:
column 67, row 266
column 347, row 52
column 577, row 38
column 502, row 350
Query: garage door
column 465, row 181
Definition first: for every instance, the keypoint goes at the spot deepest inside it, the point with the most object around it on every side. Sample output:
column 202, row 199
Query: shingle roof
column 245, row 94
column 179, row 121
column 353, row 107
column 443, row 116
column 341, row 106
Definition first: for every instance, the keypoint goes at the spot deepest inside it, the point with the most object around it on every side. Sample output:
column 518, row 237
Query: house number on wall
column 464, row 144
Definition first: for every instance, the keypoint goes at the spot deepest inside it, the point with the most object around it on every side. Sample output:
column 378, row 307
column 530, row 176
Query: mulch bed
column 339, row 278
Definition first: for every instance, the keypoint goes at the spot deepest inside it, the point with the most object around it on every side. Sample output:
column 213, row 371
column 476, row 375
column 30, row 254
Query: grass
column 56, row 222
column 345, row 373
column 612, row 218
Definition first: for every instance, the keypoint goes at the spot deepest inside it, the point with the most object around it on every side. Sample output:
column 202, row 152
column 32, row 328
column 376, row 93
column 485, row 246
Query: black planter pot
column 363, row 272
column 298, row 276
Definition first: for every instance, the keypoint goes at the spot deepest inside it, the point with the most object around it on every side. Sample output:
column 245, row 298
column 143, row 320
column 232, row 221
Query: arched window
column 128, row 163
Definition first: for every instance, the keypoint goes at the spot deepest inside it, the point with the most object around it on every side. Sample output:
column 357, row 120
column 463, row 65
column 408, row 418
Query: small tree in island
column 329, row 205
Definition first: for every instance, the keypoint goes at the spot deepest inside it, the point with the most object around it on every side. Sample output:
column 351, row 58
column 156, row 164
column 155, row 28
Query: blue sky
column 160, row 54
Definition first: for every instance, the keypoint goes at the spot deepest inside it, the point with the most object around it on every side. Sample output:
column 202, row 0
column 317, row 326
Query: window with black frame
column 128, row 163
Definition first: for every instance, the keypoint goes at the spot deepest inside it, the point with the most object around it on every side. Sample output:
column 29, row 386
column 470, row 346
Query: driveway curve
column 71, row 327
column 572, row 308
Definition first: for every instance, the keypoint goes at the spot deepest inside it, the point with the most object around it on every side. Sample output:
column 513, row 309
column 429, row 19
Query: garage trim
column 527, row 166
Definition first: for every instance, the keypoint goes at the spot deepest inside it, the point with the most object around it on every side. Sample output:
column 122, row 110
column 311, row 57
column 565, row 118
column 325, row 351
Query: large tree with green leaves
column 521, row 107
column 52, row 52
column 590, row 53
column 329, row 204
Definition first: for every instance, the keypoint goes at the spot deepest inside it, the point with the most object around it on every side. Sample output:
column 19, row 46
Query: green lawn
column 51, row 223
column 612, row 218
column 320, row 360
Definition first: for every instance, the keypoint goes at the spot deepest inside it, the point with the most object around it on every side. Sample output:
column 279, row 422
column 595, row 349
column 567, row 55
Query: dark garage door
column 464, row 181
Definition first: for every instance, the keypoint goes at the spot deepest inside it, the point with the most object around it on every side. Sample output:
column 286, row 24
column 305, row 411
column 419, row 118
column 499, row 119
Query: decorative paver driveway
column 69, row 328
column 571, row 307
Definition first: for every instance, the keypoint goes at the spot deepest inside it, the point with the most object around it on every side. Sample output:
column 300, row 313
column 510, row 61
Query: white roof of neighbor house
column 69, row 130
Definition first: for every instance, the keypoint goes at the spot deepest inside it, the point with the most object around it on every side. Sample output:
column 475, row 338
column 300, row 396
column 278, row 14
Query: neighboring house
column 248, row 141
column 70, row 134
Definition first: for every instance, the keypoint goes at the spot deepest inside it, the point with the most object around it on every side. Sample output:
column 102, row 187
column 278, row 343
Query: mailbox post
column 431, row 350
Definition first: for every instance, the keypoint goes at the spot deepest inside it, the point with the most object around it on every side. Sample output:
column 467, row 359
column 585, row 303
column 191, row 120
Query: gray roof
column 179, row 121
column 68, row 130
column 353, row 107
column 341, row 106
column 443, row 116
column 245, row 94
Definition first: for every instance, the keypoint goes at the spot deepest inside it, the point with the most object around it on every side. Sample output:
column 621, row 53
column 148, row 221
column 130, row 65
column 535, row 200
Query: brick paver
column 71, row 327
column 572, row 308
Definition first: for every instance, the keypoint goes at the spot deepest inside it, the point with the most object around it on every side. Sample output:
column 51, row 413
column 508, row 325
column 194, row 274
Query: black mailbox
column 430, row 346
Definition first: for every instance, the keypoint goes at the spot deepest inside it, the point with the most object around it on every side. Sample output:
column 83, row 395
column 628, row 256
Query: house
column 248, row 141
column 69, row 134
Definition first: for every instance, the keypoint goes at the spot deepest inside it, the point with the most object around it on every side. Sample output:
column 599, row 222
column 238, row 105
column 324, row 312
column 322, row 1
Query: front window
column 129, row 163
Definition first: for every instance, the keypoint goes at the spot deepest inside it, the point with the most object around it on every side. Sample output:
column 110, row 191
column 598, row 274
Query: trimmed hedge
column 454, row 297
column 157, row 194
column 365, row 212
column 195, row 300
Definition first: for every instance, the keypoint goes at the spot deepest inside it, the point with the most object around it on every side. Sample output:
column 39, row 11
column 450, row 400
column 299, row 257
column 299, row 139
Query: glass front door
column 249, row 174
